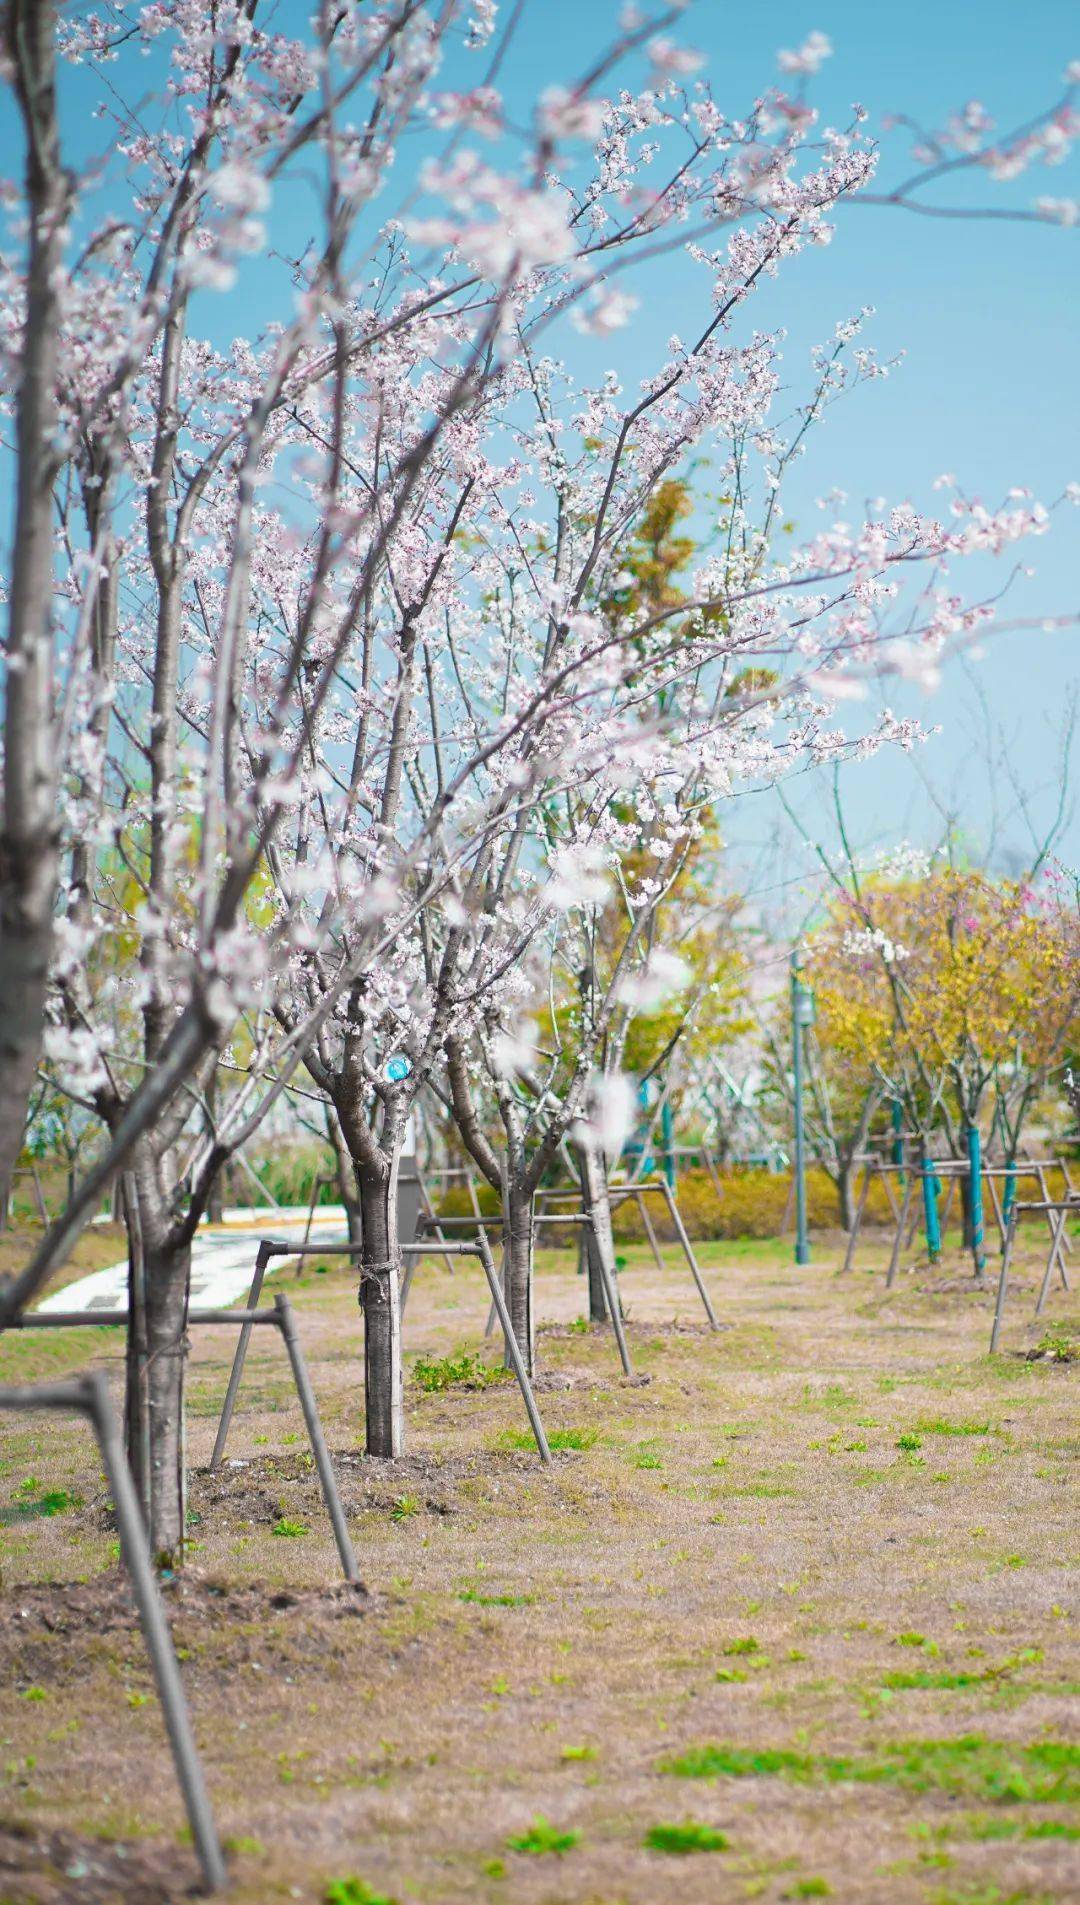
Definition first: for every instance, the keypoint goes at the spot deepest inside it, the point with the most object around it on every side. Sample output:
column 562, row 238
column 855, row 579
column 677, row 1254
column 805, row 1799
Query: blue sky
column 986, row 313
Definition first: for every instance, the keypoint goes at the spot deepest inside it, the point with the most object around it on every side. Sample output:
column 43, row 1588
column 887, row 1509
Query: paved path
column 222, row 1258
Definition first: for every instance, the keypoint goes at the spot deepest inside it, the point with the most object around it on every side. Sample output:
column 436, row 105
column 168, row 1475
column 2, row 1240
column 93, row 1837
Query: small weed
column 811, row 1888
column 573, row 1753
column 691, row 1836
column 580, row 1326
column 932, row 1425
column 34, row 1693
column 909, row 1443
column 746, row 1644
column 913, row 1639
column 245, row 1847
column 647, row 1458
column 289, row 1530
column 404, row 1507
column 1055, row 1349
column 542, row 1837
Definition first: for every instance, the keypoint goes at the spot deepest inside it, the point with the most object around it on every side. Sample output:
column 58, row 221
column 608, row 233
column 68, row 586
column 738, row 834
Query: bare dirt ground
column 798, row 1600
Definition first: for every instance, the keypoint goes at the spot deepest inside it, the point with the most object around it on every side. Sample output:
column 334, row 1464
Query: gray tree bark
column 518, row 1236
column 380, row 1296
column 600, row 1242
column 159, row 1281
column 28, row 828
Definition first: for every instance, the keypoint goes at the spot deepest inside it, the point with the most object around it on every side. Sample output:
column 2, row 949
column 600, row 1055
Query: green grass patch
column 289, row 1530
column 933, row 1425
column 646, row 1458
column 542, row 1837
column 465, row 1370
column 34, row 1507
column 690, row 1836
column 477, row 1599
column 557, row 1438
column 354, row 1892
column 1044, row 1772
column 987, row 1827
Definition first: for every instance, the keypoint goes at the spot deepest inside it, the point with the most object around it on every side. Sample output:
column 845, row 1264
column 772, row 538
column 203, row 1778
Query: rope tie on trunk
column 371, row 1272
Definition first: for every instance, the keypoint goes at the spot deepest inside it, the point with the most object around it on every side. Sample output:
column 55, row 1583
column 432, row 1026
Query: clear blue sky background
column 987, row 314
column 988, row 317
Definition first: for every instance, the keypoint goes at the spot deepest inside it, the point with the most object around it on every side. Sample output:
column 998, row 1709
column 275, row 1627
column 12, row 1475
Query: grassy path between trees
column 790, row 1619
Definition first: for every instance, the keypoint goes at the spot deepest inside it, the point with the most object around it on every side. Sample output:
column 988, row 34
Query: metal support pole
column 265, row 1252
column 614, row 1307
column 898, row 1239
column 974, row 1150
column 1054, row 1255
column 1003, row 1279
column 930, row 1209
column 680, row 1231
column 520, row 1371
column 647, row 1226
column 316, row 1437
column 802, row 1244
column 89, row 1396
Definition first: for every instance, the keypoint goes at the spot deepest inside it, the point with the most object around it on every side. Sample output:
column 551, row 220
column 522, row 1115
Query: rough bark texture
column 519, row 1270
column 28, row 830
column 380, row 1295
column 845, row 1194
column 600, row 1240
column 159, row 1278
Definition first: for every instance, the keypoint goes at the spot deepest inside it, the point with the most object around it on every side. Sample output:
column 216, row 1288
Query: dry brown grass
column 744, row 1557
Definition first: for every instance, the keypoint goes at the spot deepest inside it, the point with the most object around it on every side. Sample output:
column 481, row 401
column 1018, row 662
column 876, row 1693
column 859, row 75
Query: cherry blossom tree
column 325, row 692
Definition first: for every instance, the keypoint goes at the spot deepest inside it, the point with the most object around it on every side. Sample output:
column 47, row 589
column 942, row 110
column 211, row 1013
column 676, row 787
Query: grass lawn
column 789, row 1619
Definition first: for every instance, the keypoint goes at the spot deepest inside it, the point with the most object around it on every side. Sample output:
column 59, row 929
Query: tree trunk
column 159, row 1277
column 845, row 1194
column 518, row 1206
column 600, row 1243
column 28, row 818
column 380, row 1297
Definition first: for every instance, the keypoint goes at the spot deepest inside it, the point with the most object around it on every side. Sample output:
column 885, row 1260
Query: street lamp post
column 802, row 1015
